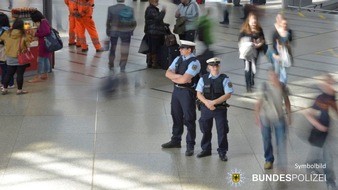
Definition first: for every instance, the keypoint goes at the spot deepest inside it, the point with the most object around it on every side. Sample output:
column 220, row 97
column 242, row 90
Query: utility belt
column 185, row 88
column 222, row 106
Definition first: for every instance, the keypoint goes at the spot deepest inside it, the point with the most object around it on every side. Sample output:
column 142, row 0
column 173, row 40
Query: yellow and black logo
column 235, row 178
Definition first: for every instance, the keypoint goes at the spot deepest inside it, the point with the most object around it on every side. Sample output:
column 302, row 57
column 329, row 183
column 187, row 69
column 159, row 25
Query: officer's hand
column 210, row 105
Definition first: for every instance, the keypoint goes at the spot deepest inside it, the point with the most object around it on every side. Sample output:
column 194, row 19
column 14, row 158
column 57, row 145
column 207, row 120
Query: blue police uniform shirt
column 193, row 68
column 227, row 85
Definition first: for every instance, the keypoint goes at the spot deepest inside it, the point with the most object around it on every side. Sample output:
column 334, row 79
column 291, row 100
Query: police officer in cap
column 213, row 90
column 184, row 73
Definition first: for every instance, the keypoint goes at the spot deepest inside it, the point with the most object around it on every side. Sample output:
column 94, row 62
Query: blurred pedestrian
column 10, row 4
column 58, row 13
column 204, row 29
column 188, row 10
column 270, row 117
column 318, row 116
column 252, row 30
column 117, row 28
column 155, row 30
column 4, row 26
column 280, row 54
column 213, row 90
column 184, row 73
column 43, row 29
column 15, row 39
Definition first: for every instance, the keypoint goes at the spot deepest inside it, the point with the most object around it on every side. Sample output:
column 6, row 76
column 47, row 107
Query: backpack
column 126, row 20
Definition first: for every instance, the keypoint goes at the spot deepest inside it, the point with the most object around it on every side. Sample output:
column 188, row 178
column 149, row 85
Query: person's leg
column 46, row 63
column 222, row 130
column 206, row 122
column 268, row 151
column 113, row 44
column 41, row 68
column 3, row 75
column 89, row 25
column 248, row 78
column 125, row 44
column 187, row 100
column 10, row 73
column 19, row 78
column 328, row 161
column 81, row 33
column 72, row 30
column 177, row 116
column 280, row 133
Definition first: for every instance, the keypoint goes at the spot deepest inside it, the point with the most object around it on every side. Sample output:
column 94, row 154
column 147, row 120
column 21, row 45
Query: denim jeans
column 124, row 48
column 323, row 155
column 280, row 133
column 3, row 67
column 43, row 65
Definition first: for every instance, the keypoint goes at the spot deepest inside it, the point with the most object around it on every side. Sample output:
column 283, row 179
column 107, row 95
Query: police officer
column 184, row 73
column 213, row 90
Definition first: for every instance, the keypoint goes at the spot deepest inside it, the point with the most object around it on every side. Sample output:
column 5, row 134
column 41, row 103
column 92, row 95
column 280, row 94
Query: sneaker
column 171, row 144
column 11, row 86
column 84, row 50
column 268, row 165
column 4, row 92
column 21, row 92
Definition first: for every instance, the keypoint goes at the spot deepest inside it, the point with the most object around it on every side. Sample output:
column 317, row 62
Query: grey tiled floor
column 65, row 134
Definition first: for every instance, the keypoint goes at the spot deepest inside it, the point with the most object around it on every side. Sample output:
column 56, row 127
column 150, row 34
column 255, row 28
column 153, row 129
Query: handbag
column 170, row 39
column 179, row 27
column 24, row 56
column 144, row 47
column 317, row 138
column 53, row 41
column 286, row 60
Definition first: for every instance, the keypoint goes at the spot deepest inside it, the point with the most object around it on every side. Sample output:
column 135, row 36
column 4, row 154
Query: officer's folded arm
column 170, row 74
column 183, row 79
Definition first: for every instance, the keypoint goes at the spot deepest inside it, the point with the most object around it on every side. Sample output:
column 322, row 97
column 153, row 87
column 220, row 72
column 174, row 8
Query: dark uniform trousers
column 183, row 112
column 206, row 122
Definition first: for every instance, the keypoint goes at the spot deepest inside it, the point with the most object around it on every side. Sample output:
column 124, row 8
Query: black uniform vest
column 181, row 67
column 213, row 88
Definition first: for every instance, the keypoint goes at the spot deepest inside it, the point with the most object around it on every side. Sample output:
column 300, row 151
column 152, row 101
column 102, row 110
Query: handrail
column 314, row 9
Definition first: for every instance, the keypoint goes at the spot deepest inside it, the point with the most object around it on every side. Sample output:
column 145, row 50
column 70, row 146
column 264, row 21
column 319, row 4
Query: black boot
column 148, row 60
column 248, row 81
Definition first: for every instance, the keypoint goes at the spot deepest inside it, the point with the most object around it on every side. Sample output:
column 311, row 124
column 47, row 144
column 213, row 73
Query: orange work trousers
column 73, row 31
column 87, row 23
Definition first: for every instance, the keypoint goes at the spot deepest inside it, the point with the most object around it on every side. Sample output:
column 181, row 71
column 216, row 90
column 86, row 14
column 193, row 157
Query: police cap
column 187, row 44
column 214, row 61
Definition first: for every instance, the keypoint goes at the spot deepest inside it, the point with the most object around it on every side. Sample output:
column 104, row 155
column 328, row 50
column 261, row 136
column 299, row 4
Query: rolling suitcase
column 167, row 54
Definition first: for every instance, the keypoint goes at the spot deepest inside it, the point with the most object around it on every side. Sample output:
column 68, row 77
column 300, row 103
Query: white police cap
column 214, row 61
column 185, row 44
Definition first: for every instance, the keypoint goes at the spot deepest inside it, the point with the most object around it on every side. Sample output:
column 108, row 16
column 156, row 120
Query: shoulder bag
column 25, row 56
column 53, row 41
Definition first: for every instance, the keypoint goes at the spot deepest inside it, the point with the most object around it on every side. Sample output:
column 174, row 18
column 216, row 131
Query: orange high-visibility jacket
column 86, row 7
